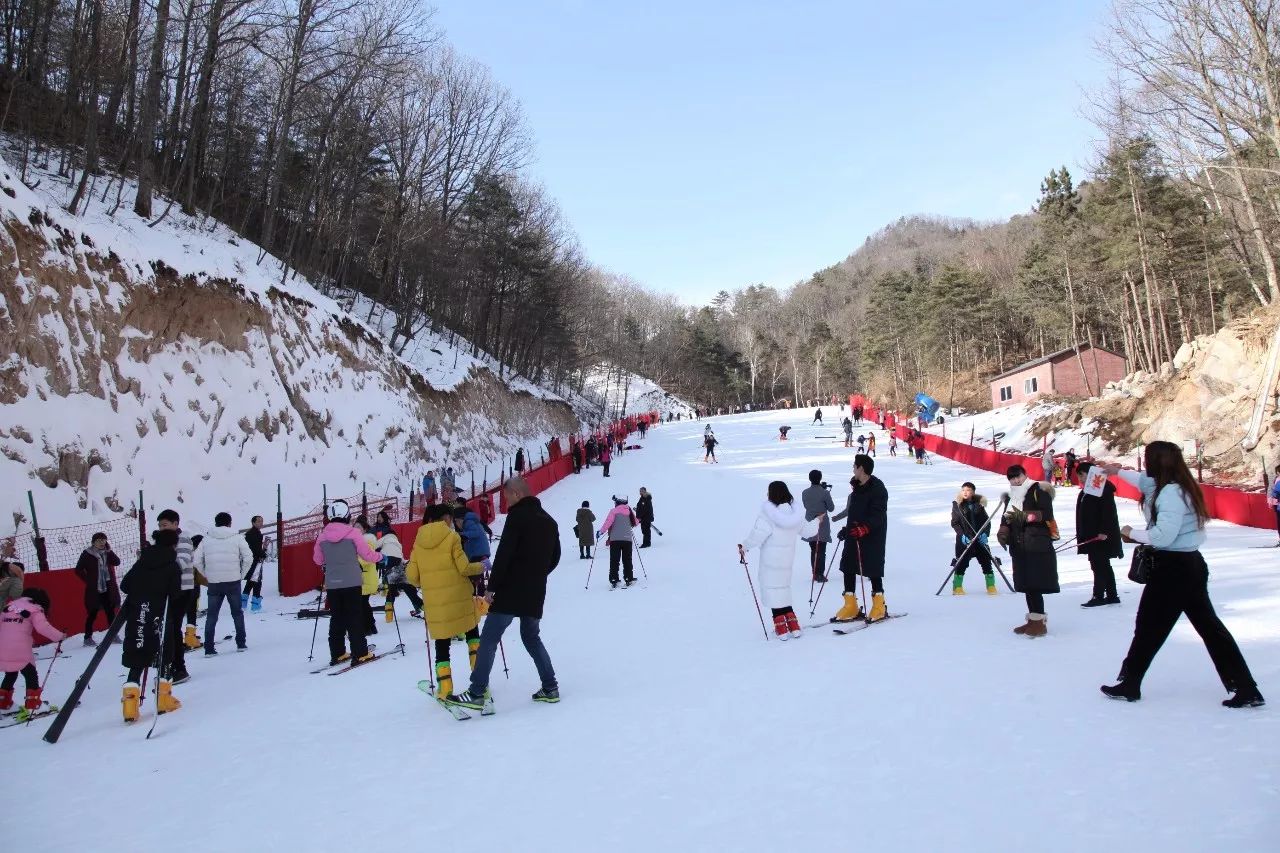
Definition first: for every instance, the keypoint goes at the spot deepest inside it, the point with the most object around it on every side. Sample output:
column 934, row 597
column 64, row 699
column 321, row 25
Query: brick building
column 1059, row 373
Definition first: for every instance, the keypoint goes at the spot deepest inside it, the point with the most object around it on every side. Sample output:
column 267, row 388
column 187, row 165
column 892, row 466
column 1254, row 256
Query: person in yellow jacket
column 368, row 575
column 440, row 569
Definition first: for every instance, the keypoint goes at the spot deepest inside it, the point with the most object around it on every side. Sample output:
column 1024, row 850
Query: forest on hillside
column 350, row 140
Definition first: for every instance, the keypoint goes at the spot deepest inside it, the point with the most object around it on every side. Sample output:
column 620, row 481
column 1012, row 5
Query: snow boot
column 256, row 606
column 130, row 701
column 878, row 610
column 1036, row 626
column 1122, row 690
column 473, row 648
column 1246, row 697
column 793, row 623
column 848, row 611
column 780, row 627
column 89, row 643
column 189, row 638
column 34, row 701
column 549, row 696
column 991, row 584
column 165, row 700
column 957, row 585
column 444, row 679
column 6, row 698
column 244, row 601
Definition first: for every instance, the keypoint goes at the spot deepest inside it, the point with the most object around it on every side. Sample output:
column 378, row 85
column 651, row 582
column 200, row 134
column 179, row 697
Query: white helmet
column 621, row 499
column 339, row 511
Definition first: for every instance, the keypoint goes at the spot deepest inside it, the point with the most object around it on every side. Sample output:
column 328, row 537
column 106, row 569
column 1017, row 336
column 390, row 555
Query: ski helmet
column 339, row 511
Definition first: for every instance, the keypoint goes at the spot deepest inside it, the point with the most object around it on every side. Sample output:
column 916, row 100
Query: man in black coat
column 644, row 514
column 253, row 580
column 1096, row 516
column 527, row 553
column 866, row 518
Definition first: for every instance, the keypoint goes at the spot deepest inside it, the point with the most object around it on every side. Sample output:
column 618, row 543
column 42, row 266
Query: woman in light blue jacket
column 1179, row 583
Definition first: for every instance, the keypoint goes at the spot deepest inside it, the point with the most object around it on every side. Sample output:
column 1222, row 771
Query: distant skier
column 871, row 444
column 22, row 617
column 969, row 520
column 893, row 444
column 862, row 443
column 1027, row 531
column 1070, row 462
column 866, row 517
column 847, row 424
column 782, row 432
column 519, row 464
column 429, row 488
column 252, row 593
column 606, row 457
column 584, row 526
column 817, row 417
column 775, row 532
column 710, row 444
column 644, row 512
column 1273, row 498
column 620, row 524
column 392, row 551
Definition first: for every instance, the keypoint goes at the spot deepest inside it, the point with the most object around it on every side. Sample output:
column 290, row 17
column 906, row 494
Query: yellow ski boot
column 444, row 679
column 165, row 700
column 848, row 611
column 878, row 610
column 131, row 700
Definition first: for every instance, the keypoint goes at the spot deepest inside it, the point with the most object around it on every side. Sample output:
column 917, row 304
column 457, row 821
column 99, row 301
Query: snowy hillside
column 178, row 360
column 682, row 729
column 625, row 393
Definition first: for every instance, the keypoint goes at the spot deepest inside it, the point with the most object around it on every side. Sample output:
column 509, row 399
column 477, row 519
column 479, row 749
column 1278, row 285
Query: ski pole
column 862, row 574
column 396, row 619
column 431, row 664
column 638, row 557
column 742, row 558
column 57, row 650
column 592, row 564
column 1099, row 538
column 315, row 628
column 974, row 540
column 655, row 527
column 503, row 651
column 835, row 553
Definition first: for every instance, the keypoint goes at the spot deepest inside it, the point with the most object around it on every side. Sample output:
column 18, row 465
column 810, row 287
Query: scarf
column 104, row 572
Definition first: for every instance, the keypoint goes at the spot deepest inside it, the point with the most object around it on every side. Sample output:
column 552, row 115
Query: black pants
column 408, row 589
column 193, row 605
column 442, row 646
column 175, row 653
column 29, row 675
column 620, row 551
column 251, row 586
column 1180, row 584
column 606, row 467
column 135, row 674
column 1035, row 602
column 347, row 622
column 818, row 559
column 646, row 528
column 93, row 615
column 976, row 550
column 782, row 611
column 851, row 583
column 1104, row 577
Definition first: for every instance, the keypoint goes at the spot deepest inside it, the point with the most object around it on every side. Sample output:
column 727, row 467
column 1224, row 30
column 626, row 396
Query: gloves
column 842, row 534
column 964, row 540
column 982, row 538
column 859, row 530
column 1033, row 517
column 1004, row 498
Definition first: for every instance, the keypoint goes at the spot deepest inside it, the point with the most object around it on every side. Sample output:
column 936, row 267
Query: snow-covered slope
column 178, row 360
column 626, row 393
column 681, row 728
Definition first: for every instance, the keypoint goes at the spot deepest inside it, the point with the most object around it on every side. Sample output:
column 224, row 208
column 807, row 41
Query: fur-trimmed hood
column 982, row 501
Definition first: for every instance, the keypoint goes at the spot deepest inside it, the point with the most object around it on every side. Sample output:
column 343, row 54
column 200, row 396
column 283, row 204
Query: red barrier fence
column 1248, row 509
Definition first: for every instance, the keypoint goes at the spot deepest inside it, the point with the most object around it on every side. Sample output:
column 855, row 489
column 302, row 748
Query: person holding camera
column 818, row 504
column 1174, row 508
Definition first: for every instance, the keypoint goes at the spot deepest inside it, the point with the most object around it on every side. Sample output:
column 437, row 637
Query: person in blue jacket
column 475, row 542
column 1273, row 498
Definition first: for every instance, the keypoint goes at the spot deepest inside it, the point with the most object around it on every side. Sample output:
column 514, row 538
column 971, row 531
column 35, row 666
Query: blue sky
column 700, row 146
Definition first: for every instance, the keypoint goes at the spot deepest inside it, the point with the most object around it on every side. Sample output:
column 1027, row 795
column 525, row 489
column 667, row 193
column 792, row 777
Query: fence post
column 324, row 499
column 473, row 483
column 142, row 523
column 279, row 535
column 42, row 554
column 411, row 487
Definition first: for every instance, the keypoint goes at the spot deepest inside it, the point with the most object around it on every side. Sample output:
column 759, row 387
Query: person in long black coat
column 97, row 569
column 528, row 552
column 152, row 585
column 866, row 517
column 1028, row 530
column 644, row 514
column 1096, row 516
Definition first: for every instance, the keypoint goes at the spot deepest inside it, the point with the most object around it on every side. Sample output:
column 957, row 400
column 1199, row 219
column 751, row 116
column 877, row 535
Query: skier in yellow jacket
column 368, row 575
column 439, row 567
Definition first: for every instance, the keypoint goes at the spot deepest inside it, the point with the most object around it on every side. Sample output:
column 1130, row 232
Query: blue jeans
column 217, row 592
column 491, row 634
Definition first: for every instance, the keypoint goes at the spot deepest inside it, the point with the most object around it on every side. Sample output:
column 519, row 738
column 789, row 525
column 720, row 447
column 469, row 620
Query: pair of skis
column 456, row 711
column 352, row 663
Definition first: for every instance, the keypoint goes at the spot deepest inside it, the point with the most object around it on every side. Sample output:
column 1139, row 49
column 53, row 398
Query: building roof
column 1053, row 356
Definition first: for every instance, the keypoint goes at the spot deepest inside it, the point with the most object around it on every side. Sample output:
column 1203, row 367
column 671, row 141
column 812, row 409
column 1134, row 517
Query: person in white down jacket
column 775, row 533
column 223, row 558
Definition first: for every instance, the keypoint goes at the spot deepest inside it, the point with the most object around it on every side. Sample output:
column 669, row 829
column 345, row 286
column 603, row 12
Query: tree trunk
column 150, row 111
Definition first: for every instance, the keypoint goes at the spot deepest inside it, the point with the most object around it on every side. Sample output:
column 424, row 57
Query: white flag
column 1095, row 482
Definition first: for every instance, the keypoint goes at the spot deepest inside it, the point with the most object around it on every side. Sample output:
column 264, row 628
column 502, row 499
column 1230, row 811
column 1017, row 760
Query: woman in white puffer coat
column 775, row 533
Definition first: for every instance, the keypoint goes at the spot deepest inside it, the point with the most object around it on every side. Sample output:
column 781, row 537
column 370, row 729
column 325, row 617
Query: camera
column 826, row 486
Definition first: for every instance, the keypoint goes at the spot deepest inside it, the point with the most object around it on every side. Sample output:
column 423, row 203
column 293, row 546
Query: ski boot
column 364, row 658
column 389, row 610
column 256, row 604
column 991, row 584
column 342, row 658
column 6, row 698
column 244, row 601
column 444, row 679
column 878, row 610
column 957, row 585
column 33, row 701
column 793, row 623
column 549, row 696
column 849, row 611
column 780, row 627
column 189, row 638
column 130, row 701
column 165, row 700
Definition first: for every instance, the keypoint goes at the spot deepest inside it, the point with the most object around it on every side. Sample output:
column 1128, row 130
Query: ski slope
column 681, row 728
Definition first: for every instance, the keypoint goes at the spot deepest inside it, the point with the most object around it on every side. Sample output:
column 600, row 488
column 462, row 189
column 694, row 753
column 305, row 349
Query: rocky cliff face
column 1207, row 393
column 169, row 359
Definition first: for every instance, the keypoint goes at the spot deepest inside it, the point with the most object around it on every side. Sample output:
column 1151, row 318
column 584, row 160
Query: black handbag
column 1140, row 567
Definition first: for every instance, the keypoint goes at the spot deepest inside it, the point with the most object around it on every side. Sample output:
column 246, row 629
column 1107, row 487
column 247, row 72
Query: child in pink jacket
column 22, row 617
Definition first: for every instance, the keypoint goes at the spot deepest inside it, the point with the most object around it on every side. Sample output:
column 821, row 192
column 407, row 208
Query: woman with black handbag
column 1178, row 578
